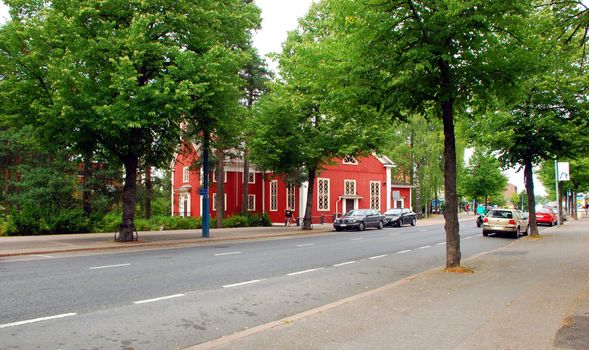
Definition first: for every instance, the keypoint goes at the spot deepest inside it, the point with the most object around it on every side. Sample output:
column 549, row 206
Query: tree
column 312, row 114
column 443, row 55
column 119, row 75
column 483, row 178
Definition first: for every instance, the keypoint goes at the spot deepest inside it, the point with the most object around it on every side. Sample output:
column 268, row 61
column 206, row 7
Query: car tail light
column 486, row 220
column 512, row 222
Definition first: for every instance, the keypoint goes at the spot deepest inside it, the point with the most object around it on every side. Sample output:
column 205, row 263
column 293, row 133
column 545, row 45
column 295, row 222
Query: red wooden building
column 346, row 184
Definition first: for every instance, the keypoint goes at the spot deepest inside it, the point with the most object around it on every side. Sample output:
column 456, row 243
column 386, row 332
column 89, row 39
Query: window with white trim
column 274, row 195
column 375, row 195
column 186, row 174
column 214, row 202
column 349, row 186
column 323, row 194
column 251, row 177
column 215, row 176
column 251, row 202
column 290, row 197
column 350, row 160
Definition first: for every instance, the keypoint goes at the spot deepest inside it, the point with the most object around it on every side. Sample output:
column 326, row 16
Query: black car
column 359, row 219
column 399, row 217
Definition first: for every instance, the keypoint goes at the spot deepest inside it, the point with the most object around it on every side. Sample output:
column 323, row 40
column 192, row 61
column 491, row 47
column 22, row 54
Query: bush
column 36, row 221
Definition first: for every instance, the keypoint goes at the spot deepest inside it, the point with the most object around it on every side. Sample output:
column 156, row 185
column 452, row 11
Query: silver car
column 511, row 221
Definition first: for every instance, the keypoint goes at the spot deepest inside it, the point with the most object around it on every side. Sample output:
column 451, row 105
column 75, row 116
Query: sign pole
column 557, row 201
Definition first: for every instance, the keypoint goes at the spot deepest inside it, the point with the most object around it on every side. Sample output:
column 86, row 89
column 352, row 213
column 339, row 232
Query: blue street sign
column 203, row 192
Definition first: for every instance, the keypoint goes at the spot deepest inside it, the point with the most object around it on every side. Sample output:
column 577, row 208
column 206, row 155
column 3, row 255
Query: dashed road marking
column 345, row 263
column 425, row 247
column 305, row 245
column 43, row 256
column 305, row 271
column 404, row 251
column 377, row 257
column 228, row 253
column 19, row 323
column 242, row 283
column 107, row 266
column 158, row 299
column 441, row 243
column 395, row 234
column 357, row 239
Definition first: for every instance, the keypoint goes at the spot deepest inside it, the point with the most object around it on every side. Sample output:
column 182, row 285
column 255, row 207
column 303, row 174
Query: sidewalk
column 52, row 244
column 531, row 294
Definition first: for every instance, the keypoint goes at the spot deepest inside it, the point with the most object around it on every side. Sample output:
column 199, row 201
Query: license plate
column 343, row 225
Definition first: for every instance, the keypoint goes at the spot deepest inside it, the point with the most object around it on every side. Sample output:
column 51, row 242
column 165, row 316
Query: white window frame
column 214, row 202
column 252, row 208
column 375, row 197
column 250, row 173
column 345, row 186
column 274, row 195
column 181, row 209
column 353, row 160
column 290, row 194
column 325, row 194
column 186, row 174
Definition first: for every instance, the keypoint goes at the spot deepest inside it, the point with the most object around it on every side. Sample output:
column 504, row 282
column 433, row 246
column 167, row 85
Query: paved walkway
column 532, row 294
column 50, row 244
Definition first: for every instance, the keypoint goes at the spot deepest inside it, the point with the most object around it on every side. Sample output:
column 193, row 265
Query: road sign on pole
column 563, row 171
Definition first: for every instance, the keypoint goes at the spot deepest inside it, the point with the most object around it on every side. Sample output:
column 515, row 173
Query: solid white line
column 404, row 251
column 305, row 245
column 377, row 257
column 242, row 283
column 467, row 237
column 158, row 299
column 345, row 263
column 107, row 266
column 19, row 323
column 229, row 253
column 441, row 243
column 44, row 256
column 357, row 239
column 425, row 247
column 300, row 272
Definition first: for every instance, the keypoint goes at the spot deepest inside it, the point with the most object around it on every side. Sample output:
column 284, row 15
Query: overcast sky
column 281, row 16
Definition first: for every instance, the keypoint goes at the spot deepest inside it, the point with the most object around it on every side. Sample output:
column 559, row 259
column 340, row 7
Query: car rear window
column 504, row 214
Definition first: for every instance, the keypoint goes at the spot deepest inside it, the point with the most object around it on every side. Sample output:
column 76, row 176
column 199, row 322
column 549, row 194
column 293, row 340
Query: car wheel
column 413, row 222
column 527, row 231
column 551, row 223
column 339, row 229
column 485, row 233
column 516, row 234
column 399, row 223
column 361, row 227
column 380, row 225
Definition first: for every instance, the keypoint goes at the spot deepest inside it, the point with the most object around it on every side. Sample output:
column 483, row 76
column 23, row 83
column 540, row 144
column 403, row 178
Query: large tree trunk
column 220, row 178
column 529, row 182
column 308, row 219
column 86, row 192
column 246, row 172
column 148, row 191
column 129, row 194
column 451, row 226
column 417, row 184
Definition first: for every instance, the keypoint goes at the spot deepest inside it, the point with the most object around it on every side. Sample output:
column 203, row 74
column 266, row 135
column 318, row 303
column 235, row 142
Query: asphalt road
column 174, row 298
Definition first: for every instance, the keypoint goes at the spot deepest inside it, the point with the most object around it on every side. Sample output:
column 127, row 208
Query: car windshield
column 358, row 212
column 504, row 214
column 395, row 211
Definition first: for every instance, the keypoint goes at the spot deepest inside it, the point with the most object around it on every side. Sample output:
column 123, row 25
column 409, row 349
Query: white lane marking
column 395, row 234
column 158, row 299
column 425, row 247
column 469, row 237
column 357, row 239
column 305, row 245
column 344, row 263
column 377, row 257
column 305, row 271
column 441, row 243
column 107, row 266
column 228, row 253
column 404, row 251
column 242, row 283
column 43, row 256
column 19, row 323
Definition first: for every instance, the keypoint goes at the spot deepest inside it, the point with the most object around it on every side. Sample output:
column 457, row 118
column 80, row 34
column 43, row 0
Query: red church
column 346, row 184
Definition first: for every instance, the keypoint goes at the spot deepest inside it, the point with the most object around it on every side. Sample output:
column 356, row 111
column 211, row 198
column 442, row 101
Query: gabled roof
column 386, row 161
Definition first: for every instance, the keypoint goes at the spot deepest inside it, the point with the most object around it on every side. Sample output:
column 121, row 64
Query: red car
column 545, row 216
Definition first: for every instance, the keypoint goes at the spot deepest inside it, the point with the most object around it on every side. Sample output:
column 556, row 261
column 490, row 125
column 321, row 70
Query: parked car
column 359, row 219
column 545, row 215
column 511, row 221
column 399, row 217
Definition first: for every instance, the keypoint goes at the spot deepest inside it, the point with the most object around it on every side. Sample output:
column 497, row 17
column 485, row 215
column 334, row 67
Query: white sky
column 281, row 16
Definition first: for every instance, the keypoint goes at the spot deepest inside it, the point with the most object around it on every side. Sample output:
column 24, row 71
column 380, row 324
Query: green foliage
column 483, row 178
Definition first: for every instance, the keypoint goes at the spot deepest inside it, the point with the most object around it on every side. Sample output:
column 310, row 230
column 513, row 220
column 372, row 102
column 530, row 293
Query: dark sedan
column 399, row 217
column 359, row 219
